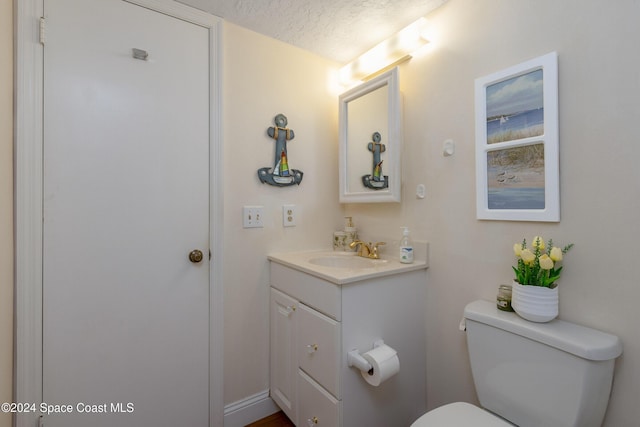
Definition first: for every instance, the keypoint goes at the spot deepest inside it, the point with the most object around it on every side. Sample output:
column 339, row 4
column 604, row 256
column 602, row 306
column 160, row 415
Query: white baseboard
column 248, row 410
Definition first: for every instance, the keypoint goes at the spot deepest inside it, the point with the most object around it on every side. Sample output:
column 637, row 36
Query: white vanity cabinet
column 315, row 322
column 304, row 340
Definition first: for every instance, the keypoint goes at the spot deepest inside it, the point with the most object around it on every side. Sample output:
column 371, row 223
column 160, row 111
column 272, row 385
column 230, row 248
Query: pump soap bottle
column 350, row 231
column 406, row 247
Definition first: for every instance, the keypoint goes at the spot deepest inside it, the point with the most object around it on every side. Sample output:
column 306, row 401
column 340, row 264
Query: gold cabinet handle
column 312, row 348
column 312, row 421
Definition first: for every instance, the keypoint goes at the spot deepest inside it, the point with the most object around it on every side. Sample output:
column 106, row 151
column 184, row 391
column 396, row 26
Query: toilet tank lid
column 579, row 340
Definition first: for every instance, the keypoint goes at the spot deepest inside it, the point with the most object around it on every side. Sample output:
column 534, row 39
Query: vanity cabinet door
column 318, row 343
column 284, row 367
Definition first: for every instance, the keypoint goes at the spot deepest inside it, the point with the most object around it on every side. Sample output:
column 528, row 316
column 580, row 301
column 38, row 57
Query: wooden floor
column 279, row 419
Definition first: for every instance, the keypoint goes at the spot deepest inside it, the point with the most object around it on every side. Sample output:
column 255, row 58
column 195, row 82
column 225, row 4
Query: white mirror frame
column 393, row 142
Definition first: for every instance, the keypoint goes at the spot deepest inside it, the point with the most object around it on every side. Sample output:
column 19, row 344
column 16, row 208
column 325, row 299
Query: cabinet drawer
column 317, row 293
column 316, row 407
column 318, row 347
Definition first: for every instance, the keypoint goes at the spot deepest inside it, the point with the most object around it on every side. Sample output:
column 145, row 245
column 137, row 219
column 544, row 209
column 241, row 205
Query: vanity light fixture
column 386, row 54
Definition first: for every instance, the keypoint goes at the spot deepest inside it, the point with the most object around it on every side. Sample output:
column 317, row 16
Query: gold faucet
column 362, row 247
column 366, row 250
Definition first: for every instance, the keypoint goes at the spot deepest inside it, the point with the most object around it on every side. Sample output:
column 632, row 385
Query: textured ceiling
column 339, row 30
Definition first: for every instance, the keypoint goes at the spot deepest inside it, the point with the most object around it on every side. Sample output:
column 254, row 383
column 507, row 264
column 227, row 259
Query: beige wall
column 600, row 195
column 6, row 206
column 600, row 192
column 264, row 77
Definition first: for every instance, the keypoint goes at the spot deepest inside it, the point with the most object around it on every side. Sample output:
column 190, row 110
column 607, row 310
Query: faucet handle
column 374, row 249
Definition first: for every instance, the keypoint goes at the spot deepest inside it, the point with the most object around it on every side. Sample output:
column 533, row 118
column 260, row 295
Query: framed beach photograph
column 517, row 161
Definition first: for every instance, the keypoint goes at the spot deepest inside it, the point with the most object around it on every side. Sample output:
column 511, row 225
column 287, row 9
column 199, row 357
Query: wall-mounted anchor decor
column 376, row 180
column 280, row 174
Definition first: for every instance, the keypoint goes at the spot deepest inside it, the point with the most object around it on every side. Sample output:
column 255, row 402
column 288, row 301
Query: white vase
column 535, row 303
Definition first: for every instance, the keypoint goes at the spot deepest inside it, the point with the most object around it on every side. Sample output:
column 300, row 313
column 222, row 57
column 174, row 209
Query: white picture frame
column 517, row 151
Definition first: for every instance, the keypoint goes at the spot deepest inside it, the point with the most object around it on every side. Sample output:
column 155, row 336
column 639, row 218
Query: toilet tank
column 555, row 374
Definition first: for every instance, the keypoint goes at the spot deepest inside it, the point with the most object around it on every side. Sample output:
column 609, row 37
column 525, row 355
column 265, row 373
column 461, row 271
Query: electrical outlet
column 252, row 216
column 288, row 215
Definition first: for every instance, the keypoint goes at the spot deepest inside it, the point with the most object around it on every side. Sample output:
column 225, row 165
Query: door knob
column 195, row 256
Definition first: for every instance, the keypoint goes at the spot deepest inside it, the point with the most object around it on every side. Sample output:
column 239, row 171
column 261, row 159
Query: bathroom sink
column 346, row 261
column 345, row 267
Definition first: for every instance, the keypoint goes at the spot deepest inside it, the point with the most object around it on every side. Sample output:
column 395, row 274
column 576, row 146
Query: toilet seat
column 460, row 414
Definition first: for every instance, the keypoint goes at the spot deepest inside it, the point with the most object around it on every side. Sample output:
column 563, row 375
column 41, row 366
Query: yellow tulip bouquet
column 537, row 266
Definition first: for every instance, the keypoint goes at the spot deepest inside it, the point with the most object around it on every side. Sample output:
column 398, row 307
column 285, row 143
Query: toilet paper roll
column 385, row 363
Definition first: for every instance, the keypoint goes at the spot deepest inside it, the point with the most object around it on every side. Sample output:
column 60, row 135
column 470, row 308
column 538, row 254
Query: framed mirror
column 370, row 141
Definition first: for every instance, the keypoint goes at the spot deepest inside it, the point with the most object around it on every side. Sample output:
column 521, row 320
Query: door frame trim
column 28, row 204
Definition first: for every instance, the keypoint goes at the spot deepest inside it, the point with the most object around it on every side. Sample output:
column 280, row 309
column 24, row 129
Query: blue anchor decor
column 376, row 181
column 280, row 175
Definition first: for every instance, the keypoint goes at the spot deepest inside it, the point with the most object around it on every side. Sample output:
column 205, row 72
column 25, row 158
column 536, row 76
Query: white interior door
column 126, row 199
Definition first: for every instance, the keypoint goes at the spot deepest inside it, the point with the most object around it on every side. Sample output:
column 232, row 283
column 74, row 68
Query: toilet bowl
column 531, row 374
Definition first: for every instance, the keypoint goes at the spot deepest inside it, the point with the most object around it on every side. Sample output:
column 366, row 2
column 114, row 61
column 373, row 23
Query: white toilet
column 555, row 374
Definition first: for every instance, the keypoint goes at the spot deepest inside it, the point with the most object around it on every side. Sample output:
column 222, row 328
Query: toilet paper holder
column 354, row 358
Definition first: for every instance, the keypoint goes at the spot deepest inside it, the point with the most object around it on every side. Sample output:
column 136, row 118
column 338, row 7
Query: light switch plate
column 252, row 216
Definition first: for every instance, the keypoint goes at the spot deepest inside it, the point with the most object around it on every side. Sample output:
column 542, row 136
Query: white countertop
column 301, row 261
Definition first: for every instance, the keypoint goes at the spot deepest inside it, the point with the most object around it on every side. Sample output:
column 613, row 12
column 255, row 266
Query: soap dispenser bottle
column 350, row 231
column 406, row 247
